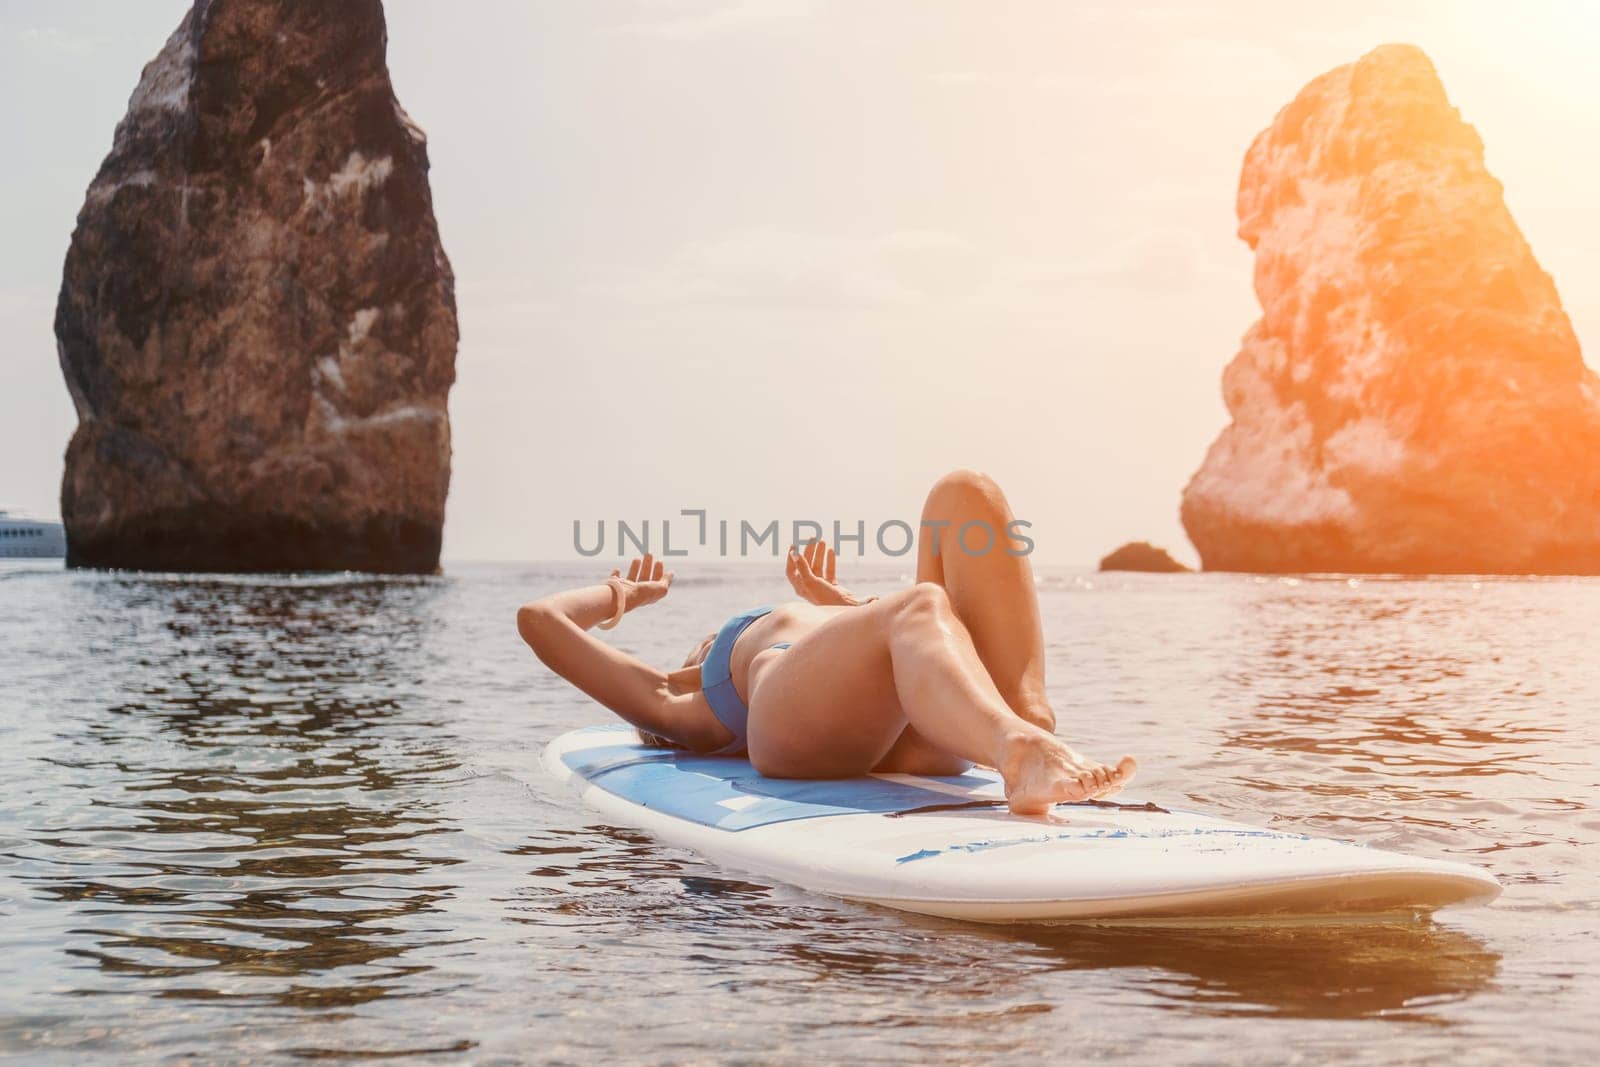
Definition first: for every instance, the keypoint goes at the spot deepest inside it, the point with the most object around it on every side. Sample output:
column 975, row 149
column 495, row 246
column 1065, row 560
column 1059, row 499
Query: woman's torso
column 785, row 623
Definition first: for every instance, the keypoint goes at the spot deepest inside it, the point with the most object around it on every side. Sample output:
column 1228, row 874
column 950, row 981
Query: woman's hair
column 696, row 656
column 651, row 740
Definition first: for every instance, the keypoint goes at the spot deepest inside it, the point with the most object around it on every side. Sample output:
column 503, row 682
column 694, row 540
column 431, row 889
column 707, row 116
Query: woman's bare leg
column 990, row 587
column 837, row 701
column 992, row 591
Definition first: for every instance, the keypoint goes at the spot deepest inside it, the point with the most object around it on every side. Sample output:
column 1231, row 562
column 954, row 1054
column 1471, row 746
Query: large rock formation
column 1413, row 399
column 257, row 322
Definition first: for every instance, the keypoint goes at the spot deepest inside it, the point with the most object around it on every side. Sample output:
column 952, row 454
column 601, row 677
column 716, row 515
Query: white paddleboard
column 949, row 847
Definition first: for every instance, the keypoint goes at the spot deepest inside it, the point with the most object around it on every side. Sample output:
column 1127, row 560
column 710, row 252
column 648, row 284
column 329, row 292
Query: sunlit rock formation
column 1413, row 399
column 257, row 321
column 1141, row 556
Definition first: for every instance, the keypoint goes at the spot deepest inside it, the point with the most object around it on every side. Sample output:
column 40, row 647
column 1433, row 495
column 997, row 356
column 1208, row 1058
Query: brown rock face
column 1413, row 399
column 257, row 321
column 1142, row 556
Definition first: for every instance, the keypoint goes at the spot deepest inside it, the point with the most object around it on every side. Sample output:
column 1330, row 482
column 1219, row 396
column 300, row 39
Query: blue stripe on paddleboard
column 1237, row 832
column 700, row 788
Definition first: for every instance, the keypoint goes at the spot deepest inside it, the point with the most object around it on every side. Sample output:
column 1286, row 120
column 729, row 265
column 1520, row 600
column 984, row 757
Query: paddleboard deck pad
column 948, row 846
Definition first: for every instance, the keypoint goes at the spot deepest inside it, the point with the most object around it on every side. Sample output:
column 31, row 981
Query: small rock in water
column 1413, row 399
column 1142, row 556
column 257, row 322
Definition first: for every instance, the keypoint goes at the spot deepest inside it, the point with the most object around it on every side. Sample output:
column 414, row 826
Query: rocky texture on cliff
column 1413, row 399
column 1141, row 556
column 257, row 321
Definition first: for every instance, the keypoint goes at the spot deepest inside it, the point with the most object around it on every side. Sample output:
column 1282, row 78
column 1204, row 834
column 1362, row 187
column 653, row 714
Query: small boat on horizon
column 22, row 537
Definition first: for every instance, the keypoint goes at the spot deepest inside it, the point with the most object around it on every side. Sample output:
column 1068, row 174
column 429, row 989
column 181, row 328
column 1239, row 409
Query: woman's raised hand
column 646, row 583
column 812, row 571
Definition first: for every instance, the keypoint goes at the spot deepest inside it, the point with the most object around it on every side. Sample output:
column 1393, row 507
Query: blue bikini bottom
column 716, row 681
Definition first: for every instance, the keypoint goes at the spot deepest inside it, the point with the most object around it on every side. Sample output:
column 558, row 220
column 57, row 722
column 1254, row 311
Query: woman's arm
column 556, row 626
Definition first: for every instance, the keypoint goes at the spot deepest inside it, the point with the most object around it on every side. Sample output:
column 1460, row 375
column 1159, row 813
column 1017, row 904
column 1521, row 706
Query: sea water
column 270, row 818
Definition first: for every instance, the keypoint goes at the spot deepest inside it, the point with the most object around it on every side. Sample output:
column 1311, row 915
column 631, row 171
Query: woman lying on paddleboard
column 928, row 680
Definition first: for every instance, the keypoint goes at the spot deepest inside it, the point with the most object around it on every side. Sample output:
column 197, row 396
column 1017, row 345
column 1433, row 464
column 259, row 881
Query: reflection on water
column 245, row 818
column 260, row 843
column 1400, row 970
column 303, row 817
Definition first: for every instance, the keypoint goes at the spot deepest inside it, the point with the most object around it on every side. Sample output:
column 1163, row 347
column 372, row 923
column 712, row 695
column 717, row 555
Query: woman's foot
column 1041, row 770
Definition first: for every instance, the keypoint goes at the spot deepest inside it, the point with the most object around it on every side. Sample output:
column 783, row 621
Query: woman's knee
column 965, row 508
column 966, row 493
column 917, row 604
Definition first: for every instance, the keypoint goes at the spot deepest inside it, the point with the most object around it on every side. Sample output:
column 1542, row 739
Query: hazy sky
column 784, row 259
